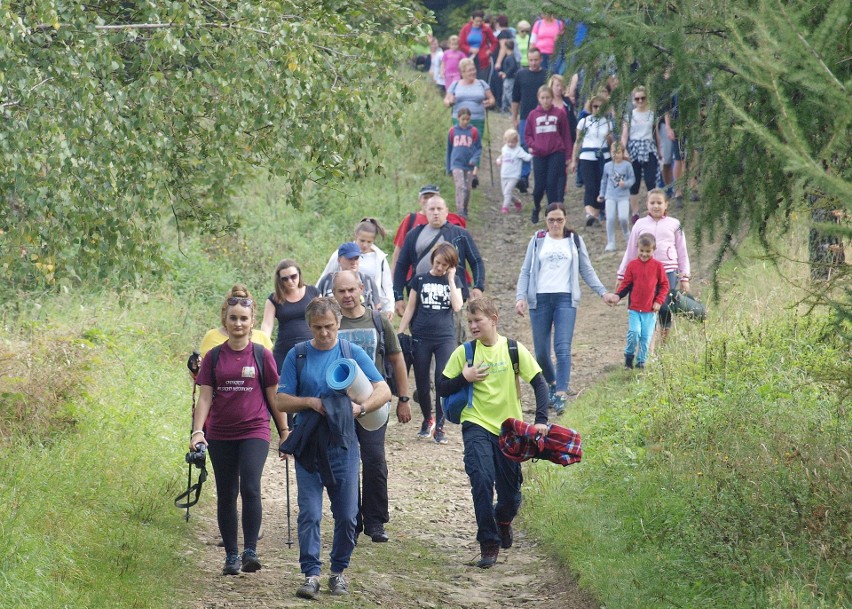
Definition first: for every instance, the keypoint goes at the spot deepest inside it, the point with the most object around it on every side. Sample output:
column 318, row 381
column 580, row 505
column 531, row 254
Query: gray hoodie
column 528, row 279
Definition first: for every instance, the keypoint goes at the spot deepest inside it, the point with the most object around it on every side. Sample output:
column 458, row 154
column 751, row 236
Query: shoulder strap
column 429, row 247
column 301, row 358
column 380, row 329
column 516, row 365
column 214, row 359
column 345, row 348
column 260, row 365
column 411, row 219
column 469, row 352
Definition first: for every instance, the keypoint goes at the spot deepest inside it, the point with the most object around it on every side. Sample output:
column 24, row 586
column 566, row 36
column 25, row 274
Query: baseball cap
column 349, row 250
column 430, row 189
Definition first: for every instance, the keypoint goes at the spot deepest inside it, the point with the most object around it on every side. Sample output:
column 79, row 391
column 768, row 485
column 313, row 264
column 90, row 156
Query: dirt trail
column 432, row 529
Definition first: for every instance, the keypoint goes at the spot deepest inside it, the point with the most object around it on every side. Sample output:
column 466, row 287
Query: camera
column 194, row 363
column 199, row 457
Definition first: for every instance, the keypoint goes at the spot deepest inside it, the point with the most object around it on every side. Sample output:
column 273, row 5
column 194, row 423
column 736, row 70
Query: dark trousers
column 665, row 312
column 373, row 490
column 238, row 465
column 487, row 468
column 549, row 174
column 423, row 349
column 591, row 172
column 644, row 171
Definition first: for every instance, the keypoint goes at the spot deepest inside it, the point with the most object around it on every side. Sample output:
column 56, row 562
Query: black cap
column 430, row 189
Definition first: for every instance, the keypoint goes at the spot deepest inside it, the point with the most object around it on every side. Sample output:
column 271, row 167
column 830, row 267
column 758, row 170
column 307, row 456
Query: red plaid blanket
column 520, row 441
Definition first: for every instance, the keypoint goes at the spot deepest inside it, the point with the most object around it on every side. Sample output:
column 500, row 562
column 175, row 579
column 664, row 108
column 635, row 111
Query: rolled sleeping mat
column 346, row 375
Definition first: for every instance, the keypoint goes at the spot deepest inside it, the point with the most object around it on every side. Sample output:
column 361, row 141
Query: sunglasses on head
column 292, row 277
column 243, row 302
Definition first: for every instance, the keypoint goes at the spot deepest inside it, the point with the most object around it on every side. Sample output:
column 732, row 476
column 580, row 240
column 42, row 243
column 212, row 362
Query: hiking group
column 435, row 282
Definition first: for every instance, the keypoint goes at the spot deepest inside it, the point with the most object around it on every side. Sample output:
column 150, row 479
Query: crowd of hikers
column 434, row 283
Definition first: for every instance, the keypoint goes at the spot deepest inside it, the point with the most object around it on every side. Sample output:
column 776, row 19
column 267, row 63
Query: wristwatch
column 362, row 413
column 404, row 399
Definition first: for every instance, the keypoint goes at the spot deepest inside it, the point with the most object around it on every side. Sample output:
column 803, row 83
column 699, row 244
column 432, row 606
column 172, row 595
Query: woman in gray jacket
column 549, row 286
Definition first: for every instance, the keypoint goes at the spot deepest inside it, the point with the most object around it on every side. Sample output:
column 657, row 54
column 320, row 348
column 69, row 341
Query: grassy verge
column 721, row 476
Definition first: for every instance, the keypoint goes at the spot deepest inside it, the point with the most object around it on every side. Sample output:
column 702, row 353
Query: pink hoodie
column 671, row 245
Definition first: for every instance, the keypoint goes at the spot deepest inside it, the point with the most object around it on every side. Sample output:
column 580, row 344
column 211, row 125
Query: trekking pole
column 490, row 163
column 289, row 527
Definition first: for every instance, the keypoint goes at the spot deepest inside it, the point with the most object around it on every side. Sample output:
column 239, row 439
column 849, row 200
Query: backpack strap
column 345, row 348
column 469, row 352
column 516, row 365
column 214, row 359
column 301, row 359
column 411, row 218
column 259, row 362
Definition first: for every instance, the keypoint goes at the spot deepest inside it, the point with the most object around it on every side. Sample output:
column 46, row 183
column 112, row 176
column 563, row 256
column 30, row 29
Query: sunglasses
column 595, row 107
column 523, row 31
column 283, row 278
column 243, row 302
column 640, row 98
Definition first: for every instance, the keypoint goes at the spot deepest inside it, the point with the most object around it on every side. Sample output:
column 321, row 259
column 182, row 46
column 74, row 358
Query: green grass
column 721, row 477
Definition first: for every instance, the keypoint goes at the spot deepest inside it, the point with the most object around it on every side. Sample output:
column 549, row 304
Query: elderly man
column 414, row 256
column 375, row 334
column 323, row 441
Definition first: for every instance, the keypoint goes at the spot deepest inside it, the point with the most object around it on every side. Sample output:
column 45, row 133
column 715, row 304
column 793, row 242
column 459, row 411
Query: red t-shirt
column 238, row 411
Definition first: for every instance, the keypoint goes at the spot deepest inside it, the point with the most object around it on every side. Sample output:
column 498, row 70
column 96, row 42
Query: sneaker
column 504, row 210
column 634, row 219
column 517, row 203
column 426, row 428
column 489, row 556
column 640, row 365
column 559, row 404
column 591, row 220
column 440, row 436
column 251, row 563
column 551, row 394
column 609, row 249
column 628, row 362
column 310, row 588
column 377, row 534
column 232, row 565
column 534, row 215
column 507, row 537
column 337, row 585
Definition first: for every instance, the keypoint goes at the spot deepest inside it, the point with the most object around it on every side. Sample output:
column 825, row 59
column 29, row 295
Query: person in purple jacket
column 548, row 139
column 464, row 147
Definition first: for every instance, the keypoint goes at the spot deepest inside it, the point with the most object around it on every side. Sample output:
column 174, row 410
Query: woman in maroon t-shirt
column 235, row 416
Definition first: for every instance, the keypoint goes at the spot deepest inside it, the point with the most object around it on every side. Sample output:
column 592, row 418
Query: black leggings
column 591, row 172
column 549, row 174
column 238, row 465
column 423, row 348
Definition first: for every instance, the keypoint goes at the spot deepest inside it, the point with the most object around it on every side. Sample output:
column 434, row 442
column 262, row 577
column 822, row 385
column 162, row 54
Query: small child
column 510, row 167
column 450, row 62
column 507, row 72
column 464, row 148
column 646, row 282
column 436, row 65
column 616, row 181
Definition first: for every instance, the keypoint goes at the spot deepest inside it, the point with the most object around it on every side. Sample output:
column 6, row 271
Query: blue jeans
column 554, row 312
column 640, row 330
column 526, row 166
column 343, row 496
column 487, row 468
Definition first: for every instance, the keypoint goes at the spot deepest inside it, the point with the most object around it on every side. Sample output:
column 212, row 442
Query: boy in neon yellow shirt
column 496, row 397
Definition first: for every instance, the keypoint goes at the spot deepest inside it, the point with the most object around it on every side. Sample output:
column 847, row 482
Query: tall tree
column 763, row 91
column 118, row 116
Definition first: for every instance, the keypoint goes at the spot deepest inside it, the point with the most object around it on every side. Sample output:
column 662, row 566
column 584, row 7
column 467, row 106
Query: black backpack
column 382, row 350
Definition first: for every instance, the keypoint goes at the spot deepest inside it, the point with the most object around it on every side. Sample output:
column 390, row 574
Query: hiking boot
column 534, row 215
column 640, row 365
column 378, row 534
column 559, row 403
column 489, row 556
column 440, row 437
column 310, row 588
column 426, row 428
column 628, row 362
column 232, row 565
column 337, row 585
column 506, row 534
column 251, row 563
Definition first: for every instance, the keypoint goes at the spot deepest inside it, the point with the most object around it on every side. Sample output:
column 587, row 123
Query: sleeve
column 527, row 364
column 605, row 178
column 331, row 267
column 632, row 249
column 529, row 130
column 449, row 149
column 365, row 364
column 682, row 255
column 631, row 177
column 626, row 283
column 403, row 263
column 399, row 237
column 662, row 284
column 474, row 259
column 516, row 90
column 391, row 340
column 587, row 271
column 287, row 380
column 455, row 364
column 386, row 286
column 204, row 373
column 270, row 370
column 464, row 47
column 534, row 32
column 451, row 380
column 524, row 155
column 525, row 274
column 477, row 147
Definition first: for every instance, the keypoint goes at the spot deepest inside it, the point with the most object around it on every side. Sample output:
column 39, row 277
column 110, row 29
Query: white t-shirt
column 594, row 130
column 641, row 125
column 435, row 67
column 554, row 273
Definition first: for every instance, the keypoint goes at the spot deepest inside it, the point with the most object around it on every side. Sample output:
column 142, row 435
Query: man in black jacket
column 419, row 243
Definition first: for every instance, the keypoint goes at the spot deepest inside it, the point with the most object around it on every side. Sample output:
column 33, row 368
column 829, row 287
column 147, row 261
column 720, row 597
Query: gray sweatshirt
column 613, row 173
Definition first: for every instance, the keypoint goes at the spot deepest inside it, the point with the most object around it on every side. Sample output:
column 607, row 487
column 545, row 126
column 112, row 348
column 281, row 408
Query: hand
column 516, row 122
column 400, row 307
column 611, row 299
column 572, row 166
column 388, row 314
column 542, row 429
column 475, row 293
column 521, row 307
column 196, row 439
column 282, row 436
column 451, row 275
column 600, row 198
column 621, row 184
column 656, row 307
column 356, row 409
column 316, row 405
column 403, row 412
column 684, row 285
column 671, row 134
column 499, row 161
column 472, row 374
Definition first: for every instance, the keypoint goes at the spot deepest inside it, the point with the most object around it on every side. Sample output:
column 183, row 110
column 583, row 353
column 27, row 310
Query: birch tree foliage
column 116, row 117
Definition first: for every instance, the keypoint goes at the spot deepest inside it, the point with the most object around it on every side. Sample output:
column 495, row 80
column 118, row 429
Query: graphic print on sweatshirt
column 462, row 139
column 546, row 123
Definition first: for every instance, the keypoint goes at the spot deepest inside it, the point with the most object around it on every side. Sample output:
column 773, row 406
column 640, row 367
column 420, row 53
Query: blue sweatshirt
column 463, row 148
